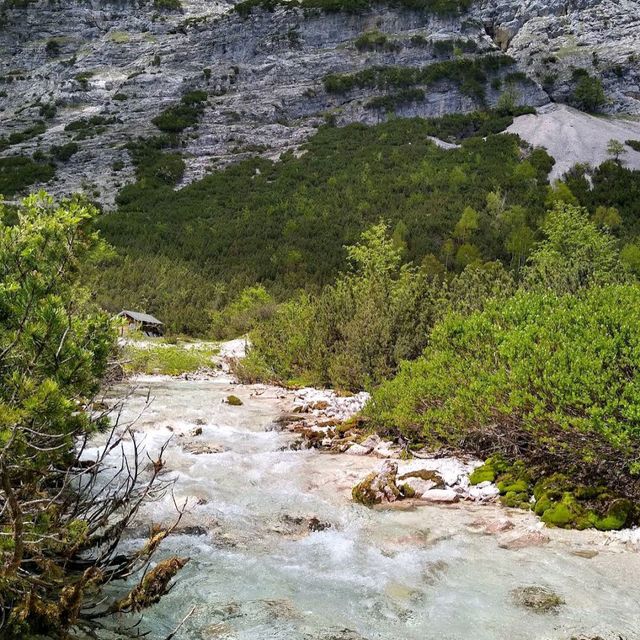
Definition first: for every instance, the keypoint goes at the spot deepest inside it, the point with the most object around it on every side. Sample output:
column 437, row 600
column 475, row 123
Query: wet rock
column 585, row 553
column 234, row 401
column 336, row 634
column 425, row 474
column 499, row 526
column 398, row 591
column 530, row 539
column 198, row 448
column 484, row 492
column 196, row 432
column 387, row 450
column 299, row 526
column 537, row 598
column 379, row 487
column 316, row 525
column 190, row 530
column 441, row 496
column 358, row 450
column 420, row 487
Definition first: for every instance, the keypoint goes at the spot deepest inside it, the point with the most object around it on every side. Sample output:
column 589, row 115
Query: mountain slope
column 96, row 74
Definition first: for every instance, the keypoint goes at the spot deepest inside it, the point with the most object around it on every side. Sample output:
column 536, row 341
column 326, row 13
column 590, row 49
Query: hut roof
column 139, row 317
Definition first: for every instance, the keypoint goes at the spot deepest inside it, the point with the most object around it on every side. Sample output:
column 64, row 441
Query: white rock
column 358, row 450
column 419, row 485
column 371, row 442
column 441, row 495
column 482, row 494
column 387, row 450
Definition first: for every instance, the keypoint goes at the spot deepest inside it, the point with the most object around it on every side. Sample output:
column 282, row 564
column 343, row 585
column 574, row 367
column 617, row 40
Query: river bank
column 280, row 550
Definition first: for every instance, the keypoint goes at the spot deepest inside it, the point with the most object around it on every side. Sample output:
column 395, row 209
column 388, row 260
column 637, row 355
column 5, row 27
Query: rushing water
column 258, row 573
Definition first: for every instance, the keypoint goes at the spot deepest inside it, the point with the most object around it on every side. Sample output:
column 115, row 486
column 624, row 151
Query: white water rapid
column 262, row 569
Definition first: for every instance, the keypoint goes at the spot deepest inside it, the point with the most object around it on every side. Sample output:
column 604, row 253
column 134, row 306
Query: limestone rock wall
column 125, row 62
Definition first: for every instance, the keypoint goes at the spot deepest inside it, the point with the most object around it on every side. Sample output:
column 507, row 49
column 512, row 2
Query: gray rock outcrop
column 125, row 62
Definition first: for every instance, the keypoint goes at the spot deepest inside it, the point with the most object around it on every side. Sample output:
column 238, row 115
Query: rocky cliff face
column 97, row 73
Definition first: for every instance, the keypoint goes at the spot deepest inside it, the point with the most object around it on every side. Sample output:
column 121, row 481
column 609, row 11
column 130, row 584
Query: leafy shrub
column 574, row 254
column 548, row 379
column 470, row 75
column 166, row 359
column 53, row 47
column 19, row 172
column 375, row 41
column 65, row 152
column 89, row 127
column 589, row 93
column 17, row 137
column 183, row 115
column 355, row 333
column 48, row 110
column 286, row 226
column 167, row 5
column 252, row 306
column 634, row 144
column 437, row 7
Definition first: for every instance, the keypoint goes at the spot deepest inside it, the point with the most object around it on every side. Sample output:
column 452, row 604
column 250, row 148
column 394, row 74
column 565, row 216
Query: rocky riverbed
column 279, row 549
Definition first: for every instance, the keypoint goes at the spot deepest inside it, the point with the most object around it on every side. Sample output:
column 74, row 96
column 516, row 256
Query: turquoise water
column 258, row 573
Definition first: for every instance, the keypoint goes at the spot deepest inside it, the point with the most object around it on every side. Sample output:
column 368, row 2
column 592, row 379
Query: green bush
column 166, row 359
column 65, row 152
column 437, row 7
column 18, row 137
column 167, row 5
column 634, row 144
column 589, row 93
column 89, row 127
column 575, row 254
column 252, row 306
column 375, row 41
column 285, row 224
column 549, row 379
column 354, row 334
column 183, row 115
column 470, row 75
column 19, row 172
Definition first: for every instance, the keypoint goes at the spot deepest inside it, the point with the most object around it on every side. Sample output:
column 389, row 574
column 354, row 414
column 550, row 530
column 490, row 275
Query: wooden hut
column 143, row 322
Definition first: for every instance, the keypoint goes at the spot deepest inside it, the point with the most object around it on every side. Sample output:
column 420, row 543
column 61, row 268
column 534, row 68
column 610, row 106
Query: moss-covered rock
column 536, row 598
column 559, row 503
column 491, row 469
column 380, row 486
column 425, row 474
column 234, row 401
column 616, row 517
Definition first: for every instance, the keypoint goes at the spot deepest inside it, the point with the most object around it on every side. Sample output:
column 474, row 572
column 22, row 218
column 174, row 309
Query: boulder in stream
column 537, row 598
column 380, row 486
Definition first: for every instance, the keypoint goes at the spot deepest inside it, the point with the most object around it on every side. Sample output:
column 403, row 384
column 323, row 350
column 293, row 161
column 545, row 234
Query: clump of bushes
column 18, row 137
column 588, row 93
column 19, row 172
column 470, row 75
column 251, row 307
column 183, row 115
column 355, row 333
column 436, row 7
column 634, row 144
column 166, row 359
column 64, row 152
column 89, row 127
column 453, row 47
column 375, row 41
column 547, row 376
column 167, row 5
